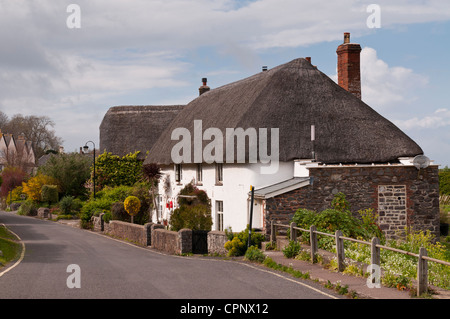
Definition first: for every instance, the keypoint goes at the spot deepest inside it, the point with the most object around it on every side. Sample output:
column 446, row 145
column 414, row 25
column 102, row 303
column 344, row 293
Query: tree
column 132, row 204
column 12, row 177
column 37, row 129
column 3, row 119
column 71, row 170
column 444, row 180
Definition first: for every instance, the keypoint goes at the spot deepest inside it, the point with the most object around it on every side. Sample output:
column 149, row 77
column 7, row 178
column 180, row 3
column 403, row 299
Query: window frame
column 219, row 215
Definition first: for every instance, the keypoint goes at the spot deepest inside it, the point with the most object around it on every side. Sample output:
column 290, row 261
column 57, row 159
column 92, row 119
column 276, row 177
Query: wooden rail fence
column 422, row 265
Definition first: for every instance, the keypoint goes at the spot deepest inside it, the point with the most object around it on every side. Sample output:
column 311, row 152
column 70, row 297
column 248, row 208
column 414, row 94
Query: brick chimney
column 204, row 88
column 348, row 66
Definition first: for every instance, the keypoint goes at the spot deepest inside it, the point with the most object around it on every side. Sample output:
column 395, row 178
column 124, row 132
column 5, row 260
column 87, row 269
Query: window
column 159, row 206
column 199, row 173
column 219, row 174
column 219, row 215
column 178, row 173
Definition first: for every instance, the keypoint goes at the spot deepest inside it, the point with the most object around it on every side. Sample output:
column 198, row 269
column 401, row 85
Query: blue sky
column 156, row 52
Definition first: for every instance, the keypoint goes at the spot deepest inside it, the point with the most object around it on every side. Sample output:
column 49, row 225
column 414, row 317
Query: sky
column 73, row 60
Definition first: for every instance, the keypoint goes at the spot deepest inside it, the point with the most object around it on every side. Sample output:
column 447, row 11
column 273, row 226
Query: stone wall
column 139, row 234
column 414, row 195
column 172, row 242
column 156, row 236
column 216, row 242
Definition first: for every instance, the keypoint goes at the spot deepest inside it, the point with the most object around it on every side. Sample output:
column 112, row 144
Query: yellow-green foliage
column 132, row 205
column 15, row 195
column 235, row 247
column 34, row 185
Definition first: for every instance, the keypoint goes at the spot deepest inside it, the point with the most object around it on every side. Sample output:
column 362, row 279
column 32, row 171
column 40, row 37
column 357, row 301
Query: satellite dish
column 421, row 161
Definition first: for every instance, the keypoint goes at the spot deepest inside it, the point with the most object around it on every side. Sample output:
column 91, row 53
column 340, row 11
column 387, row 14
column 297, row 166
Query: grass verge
column 10, row 248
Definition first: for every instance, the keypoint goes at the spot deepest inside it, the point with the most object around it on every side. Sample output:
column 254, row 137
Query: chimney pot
column 204, row 88
column 346, row 37
column 308, row 58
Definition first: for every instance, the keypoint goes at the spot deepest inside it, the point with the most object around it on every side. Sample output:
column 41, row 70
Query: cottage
column 16, row 152
column 328, row 141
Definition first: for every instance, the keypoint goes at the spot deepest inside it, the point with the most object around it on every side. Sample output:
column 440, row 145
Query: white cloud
column 385, row 86
column 440, row 118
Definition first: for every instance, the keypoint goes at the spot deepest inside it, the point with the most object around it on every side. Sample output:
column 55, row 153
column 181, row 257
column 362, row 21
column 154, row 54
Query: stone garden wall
column 216, row 242
column 156, row 236
column 139, row 234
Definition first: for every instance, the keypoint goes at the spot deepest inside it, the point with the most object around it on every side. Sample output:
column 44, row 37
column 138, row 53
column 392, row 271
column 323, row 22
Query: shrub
column 339, row 218
column 28, row 208
column 196, row 217
column 237, row 246
column 369, row 224
column 33, row 186
column 115, row 194
column 77, row 204
column 254, row 254
column 95, row 206
column 194, row 211
column 292, row 249
column 340, row 203
column 15, row 195
column 329, row 221
column 118, row 212
column 66, row 204
column 49, row 194
column 85, row 220
column 111, row 200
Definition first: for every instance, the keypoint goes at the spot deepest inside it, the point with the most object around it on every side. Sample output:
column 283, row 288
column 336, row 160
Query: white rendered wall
column 234, row 191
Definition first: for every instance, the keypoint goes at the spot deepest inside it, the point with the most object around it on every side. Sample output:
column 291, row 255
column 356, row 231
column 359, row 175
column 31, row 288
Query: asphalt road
column 112, row 269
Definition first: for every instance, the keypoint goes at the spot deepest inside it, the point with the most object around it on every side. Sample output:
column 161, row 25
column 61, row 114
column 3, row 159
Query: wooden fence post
column 422, row 272
column 375, row 257
column 340, row 251
column 293, row 231
column 273, row 236
column 314, row 244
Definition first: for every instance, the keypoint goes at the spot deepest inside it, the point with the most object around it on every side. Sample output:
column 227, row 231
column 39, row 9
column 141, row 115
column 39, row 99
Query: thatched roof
column 127, row 129
column 292, row 97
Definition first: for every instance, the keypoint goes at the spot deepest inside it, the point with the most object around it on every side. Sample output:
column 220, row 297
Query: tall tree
column 70, row 170
column 3, row 119
column 37, row 129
